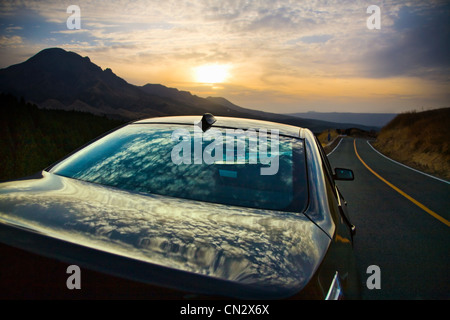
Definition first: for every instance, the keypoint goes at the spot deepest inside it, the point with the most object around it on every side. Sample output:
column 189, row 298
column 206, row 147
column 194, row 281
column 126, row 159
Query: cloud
column 10, row 41
column 286, row 48
column 417, row 46
column 316, row 38
column 12, row 29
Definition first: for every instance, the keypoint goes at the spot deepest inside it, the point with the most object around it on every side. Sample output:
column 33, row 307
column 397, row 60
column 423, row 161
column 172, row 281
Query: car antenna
column 207, row 121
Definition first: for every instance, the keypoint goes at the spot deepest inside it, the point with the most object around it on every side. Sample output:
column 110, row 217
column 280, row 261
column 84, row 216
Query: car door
column 342, row 203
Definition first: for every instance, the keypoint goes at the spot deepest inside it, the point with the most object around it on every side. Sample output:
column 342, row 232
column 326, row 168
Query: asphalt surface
column 410, row 245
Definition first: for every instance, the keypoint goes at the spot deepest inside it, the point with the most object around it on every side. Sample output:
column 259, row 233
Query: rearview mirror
column 343, row 174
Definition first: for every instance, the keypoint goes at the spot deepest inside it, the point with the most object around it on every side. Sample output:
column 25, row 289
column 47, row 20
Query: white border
column 426, row 174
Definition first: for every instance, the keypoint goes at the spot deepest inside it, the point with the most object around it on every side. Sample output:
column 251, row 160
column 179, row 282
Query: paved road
column 409, row 244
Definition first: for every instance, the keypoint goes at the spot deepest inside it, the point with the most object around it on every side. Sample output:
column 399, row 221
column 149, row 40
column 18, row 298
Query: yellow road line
column 417, row 203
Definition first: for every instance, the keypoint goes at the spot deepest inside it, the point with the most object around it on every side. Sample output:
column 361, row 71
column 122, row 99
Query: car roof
column 230, row 122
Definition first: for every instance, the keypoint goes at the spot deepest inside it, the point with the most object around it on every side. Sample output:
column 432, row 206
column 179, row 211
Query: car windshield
column 247, row 168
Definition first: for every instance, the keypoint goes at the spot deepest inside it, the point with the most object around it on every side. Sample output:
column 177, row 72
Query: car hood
column 258, row 248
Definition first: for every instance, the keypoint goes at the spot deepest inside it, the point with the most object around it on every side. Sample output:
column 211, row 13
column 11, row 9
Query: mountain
column 366, row 119
column 316, row 125
column 58, row 79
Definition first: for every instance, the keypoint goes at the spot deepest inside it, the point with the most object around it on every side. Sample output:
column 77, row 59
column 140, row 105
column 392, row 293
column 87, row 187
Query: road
column 402, row 224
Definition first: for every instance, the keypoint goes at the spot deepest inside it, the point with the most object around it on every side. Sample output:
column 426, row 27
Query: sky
column 278, row 56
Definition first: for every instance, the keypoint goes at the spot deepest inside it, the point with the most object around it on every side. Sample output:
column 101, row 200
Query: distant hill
column 58, row 79
column 317, row 126
column 366, row 119
column 420, row 140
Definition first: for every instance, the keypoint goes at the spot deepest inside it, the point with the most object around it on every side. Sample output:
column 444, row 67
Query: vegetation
column 420, row 140
column 327, row 136
column 330, row 138
column 32, row 139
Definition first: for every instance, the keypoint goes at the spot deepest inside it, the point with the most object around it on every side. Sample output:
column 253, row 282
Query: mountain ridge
column 58, row 79
column 361, row 118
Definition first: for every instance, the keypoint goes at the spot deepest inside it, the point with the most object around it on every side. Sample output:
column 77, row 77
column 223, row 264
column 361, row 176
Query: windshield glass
column 234, row 167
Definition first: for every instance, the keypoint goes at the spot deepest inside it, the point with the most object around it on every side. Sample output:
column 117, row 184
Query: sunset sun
column 215, row 73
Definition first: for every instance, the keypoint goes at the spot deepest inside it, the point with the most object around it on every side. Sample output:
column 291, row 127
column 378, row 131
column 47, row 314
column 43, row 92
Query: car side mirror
column 343, row 174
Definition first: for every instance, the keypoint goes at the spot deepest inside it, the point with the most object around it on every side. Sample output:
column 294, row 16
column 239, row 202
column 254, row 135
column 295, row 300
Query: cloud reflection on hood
column 250, row 246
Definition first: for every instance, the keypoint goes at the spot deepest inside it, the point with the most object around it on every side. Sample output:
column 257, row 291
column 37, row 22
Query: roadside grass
column 323, row 136
column 420, row 140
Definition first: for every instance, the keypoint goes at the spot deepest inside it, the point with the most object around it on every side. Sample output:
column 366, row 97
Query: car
column 182, row 207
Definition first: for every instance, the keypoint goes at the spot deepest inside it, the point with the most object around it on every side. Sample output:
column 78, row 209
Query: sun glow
column 212, row 73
